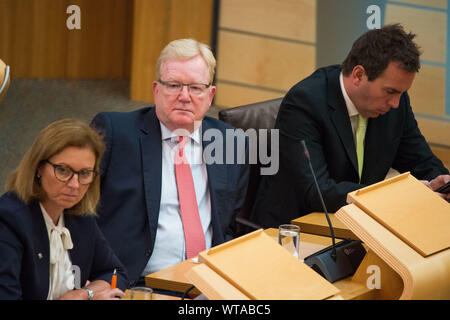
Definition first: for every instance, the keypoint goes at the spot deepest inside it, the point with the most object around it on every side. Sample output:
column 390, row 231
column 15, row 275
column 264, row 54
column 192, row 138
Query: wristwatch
column 90, row 293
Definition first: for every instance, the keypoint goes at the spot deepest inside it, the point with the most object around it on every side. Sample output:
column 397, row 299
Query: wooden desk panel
column 155, row 296
column 316, row 223
column 173, row 278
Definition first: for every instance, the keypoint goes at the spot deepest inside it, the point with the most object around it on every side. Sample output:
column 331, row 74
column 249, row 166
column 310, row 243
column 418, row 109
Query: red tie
column 193, row 232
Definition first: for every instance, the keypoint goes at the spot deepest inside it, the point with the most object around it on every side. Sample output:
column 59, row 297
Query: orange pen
column 114, row 279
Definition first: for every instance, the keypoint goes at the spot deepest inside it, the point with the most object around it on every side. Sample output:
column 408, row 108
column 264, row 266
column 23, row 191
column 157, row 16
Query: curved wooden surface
column 174, row 278
column 423, row 277
column 4, row 79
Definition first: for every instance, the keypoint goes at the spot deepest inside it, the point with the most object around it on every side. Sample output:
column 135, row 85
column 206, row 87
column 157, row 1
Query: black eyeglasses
column 173, row 87
column 64, row 173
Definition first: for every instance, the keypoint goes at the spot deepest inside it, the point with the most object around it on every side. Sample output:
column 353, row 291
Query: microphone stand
column 306, row 153
column 337, row 261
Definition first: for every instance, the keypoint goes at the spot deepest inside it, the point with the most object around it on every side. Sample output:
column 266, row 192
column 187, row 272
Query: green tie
column 360, row 133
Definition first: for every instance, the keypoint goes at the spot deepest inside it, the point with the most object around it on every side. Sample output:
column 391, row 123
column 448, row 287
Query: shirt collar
column 352, row 111
column 167, row 134
column 48, row 220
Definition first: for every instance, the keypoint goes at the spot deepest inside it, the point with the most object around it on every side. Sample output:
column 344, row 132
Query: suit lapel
column 42, row 248
column 151, row 153
column 340, row 118
column 217, row 178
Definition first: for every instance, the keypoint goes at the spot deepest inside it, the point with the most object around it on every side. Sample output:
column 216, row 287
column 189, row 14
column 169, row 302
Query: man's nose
column 184, row 94
column 394, row 101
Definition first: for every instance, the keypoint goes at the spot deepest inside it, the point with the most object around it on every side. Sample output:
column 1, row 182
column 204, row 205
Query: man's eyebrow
column 392, row 89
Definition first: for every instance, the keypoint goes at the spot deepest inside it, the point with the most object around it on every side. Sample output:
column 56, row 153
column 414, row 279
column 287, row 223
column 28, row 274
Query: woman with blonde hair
column 48, row 228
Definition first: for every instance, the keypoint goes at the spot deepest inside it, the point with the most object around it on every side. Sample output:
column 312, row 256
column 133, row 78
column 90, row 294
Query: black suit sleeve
column 105, row 261
column 102, row 123
column 11, row 252
column 241, row 182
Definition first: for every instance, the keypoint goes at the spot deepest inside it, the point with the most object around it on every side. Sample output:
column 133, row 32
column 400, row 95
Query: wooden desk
column 155, row 296
column 316, row 223
column 173, row 278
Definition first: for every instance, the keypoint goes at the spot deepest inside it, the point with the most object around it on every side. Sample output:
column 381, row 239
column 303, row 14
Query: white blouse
column 61, row 275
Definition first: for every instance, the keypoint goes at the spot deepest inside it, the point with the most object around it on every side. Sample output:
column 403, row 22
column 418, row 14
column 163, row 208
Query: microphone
column 337, row 261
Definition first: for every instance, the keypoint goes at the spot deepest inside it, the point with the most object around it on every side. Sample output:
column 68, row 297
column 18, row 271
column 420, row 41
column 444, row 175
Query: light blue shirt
column 169, row 246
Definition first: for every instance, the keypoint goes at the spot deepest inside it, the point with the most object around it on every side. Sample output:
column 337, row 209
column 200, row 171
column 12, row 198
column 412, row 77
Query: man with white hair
column 160, row 202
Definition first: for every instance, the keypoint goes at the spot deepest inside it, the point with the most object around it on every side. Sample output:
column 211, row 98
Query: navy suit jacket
column 314, row 110
column 25, row 250
column 131, row 184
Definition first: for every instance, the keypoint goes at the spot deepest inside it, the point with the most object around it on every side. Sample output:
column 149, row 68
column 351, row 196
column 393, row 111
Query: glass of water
column 289, row 238
column 141, row 293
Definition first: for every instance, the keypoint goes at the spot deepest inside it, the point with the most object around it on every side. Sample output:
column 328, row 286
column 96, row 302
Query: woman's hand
column 102, row 291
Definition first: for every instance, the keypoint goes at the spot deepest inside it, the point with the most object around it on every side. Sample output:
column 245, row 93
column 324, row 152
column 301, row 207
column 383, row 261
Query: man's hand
column 440, row 181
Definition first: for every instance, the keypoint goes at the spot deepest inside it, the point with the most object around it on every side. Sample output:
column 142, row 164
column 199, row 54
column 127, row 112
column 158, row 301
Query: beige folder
column 255, row 266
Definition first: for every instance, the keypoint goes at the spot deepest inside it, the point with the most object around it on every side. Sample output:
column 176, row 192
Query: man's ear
column 155, row 83
column 211, row 94
column 358, row 74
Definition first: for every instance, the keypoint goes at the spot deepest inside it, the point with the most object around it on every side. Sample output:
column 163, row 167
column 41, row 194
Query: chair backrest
column 4, row 78
column 260, row 115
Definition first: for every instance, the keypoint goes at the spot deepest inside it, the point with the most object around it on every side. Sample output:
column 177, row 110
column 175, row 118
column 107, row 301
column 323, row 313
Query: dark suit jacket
column 314, row 110
column 24, row 237
column 131, row 185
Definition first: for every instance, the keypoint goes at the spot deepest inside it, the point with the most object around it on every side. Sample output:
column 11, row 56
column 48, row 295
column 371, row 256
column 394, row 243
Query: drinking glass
column 289, row 238
column 141, row 293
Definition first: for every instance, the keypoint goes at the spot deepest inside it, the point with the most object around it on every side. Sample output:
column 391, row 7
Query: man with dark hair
column 377, row 48
column 357, row 122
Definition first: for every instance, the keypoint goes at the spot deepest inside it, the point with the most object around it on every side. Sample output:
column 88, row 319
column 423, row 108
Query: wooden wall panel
column 48, row 39
column 429, row 25
column 288, row 19
column 264, row 47
column 435, row 131
column 190, row 19
column 149, row 35
column 428, row 3
column 155, row 24
column 36, row 42
column 427, row 92
column 27, row 33
column 13, row 48
column 102, row 48
column 264, row 62
column 443, row 154
column 232, row 95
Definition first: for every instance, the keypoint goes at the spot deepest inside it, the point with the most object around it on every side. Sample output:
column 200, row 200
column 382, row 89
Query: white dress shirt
column 61, row 275
column 352, row 111
column 169, row 248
